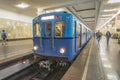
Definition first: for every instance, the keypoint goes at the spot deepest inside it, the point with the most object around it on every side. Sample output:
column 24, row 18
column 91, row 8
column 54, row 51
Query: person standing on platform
column 108, row 35
column 98, row 36
column 4, row 37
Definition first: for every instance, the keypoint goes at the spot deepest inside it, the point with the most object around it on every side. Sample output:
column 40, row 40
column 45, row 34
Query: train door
column 47, row 29
column 83, row 35
column 74, row 32
column 48, row 34
column 37, row 34
column 79, row 35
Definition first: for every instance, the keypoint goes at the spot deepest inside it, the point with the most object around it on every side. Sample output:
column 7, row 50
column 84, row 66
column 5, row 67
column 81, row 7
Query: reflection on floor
column 110, row 56
column 14, row 49
column 105, row 61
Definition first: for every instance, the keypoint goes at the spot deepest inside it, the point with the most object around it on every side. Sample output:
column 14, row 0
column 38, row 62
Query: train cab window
column 48, row 29
column 60, row 28
column 37, row 30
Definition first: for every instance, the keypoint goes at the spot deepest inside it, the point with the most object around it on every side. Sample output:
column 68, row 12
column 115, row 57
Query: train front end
column 52, row 36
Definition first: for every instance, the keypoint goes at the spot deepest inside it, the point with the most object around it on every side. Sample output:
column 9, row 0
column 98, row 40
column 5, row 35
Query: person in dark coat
column 98, row 36
column 108, row 35
column 4, row 37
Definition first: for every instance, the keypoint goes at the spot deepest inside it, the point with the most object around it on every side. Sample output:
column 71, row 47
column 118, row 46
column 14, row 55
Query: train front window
column 48, row 29
column 37, row 31
column 60, row 28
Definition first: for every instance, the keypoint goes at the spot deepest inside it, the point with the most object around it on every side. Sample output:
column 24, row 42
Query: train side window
column 83, row 30
column 48, row 30
column 37, row 31
column 60, row 28
column 79, row 40
column 74, row 29
column 84, row 33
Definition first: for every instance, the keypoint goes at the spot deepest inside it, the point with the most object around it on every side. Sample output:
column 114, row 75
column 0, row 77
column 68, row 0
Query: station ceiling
column 89, row 11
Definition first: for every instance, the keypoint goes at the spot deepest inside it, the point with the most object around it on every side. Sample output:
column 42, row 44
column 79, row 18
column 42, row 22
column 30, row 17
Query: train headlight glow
column 35, row 48
column 62, row 50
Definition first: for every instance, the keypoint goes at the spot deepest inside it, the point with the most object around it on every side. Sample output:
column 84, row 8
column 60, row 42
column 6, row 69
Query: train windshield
column 37, row 30
column 48, row 29
column 60, row 28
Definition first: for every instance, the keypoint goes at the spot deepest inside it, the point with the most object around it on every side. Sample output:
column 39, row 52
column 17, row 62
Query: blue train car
column 59, row 36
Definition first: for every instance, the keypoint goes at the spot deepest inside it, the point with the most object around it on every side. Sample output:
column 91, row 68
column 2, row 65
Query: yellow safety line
column 86, row 65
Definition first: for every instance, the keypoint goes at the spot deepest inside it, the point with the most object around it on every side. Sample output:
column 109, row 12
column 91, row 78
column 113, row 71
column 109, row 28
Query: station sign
column 48, row 17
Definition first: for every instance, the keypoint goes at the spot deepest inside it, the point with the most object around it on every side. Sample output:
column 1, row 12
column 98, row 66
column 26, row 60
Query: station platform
column 97, row 61
column 15, row 49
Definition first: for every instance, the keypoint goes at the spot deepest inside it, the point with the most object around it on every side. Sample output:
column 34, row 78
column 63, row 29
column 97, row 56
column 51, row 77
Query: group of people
column 99, row 35
column 4, row 37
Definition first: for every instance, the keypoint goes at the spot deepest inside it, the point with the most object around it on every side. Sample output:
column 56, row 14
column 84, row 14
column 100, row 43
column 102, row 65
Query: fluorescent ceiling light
column 107, row 15
column 47, row 11
column 108, row 10
column 107, row 66
column 22, row 5
column 58, row 10
column 112, row 77
column 104, row 59
column 39, row 11
column 114, row 1
column 110, row 19
column 104, row 18
column 102, row 53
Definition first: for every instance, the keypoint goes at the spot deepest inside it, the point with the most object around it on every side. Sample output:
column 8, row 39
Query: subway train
column 59, row 36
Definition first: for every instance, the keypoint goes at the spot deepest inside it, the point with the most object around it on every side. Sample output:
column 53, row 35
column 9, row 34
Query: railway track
column 33, row 72
column 55, row 73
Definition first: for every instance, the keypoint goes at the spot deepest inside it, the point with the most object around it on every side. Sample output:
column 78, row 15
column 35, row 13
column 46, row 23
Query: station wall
column 16, row 25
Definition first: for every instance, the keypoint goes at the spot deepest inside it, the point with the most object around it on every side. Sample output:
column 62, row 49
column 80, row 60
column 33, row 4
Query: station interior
column 97, row 60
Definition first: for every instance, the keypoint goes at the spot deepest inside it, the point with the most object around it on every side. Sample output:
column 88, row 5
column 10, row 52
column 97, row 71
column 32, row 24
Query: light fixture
column 104, row 59
column 103, row 54
column 107, row 66
column 109, row 10
column 47, row 11
column 22, row 5
column 39, row 11
column 110, row 19
column 107, row 15
column 58, row 10
column 113, row 1
column 112, row 77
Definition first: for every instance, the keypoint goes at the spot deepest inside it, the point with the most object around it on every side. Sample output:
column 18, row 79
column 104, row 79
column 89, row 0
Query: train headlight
column 62, row 50
column 35, row 48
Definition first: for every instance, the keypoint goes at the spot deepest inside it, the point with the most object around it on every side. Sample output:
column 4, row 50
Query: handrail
column 53, row 39
column 40, row 38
